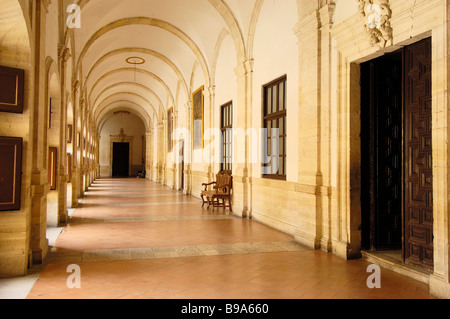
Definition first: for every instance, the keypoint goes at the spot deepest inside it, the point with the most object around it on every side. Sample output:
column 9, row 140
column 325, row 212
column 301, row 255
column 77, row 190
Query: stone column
column 188, row 154
column 313, row 32
column 39, row 179
column 64, row 55
column 210, row 96
column 242, row 170
column 160, row 153
column 75, row 179
column 175, row 165
column 148, row 153
column 440, row 279
column 80, row 171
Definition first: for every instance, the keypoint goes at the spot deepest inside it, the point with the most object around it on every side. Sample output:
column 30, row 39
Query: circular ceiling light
column 135, row 60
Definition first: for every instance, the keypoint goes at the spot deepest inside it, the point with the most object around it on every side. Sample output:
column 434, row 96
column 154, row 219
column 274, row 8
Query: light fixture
column 135, row 60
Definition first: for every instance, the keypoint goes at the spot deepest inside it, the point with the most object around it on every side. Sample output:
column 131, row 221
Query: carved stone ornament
column 122, row 135
column 376, row 15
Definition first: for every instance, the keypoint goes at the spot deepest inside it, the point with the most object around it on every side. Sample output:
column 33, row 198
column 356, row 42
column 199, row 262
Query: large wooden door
column 418, row 150
column 382, row 152
column 396, row 154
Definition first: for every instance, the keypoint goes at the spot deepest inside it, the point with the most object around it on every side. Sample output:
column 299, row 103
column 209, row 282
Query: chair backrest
column 223, row 179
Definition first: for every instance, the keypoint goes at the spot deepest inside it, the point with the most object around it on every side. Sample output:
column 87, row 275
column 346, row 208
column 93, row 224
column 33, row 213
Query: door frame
column 120, row 139
column 405, row 162
column 124, row 144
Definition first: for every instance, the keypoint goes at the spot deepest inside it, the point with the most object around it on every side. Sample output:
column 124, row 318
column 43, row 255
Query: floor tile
column 136, row 239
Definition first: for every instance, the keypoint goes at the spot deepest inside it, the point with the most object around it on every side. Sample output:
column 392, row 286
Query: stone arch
column 109, row 112
column 192, row 80
column 144, row 51
column 148, row 22
column 149, row 74
column 235, row 30
column 252, row 28
column 129, row 84
column 53, row 99
column 53, row 116
column 16, row 32
column 230, row 20
column 100, row 108
column 220, row 39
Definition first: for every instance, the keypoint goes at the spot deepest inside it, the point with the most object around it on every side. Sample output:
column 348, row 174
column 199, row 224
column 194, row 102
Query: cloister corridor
column 136, row 239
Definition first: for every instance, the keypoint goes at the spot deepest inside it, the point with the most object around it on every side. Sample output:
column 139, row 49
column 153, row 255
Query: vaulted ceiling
column 141, row 55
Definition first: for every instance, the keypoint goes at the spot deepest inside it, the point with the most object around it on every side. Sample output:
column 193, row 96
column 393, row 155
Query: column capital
column 212, row 90
column 75, row 85
column 244, row 68
column 45, row 4
column 64, row 53
column 326, row 14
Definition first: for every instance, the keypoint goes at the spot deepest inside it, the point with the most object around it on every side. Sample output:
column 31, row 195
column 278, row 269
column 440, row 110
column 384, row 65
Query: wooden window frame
column 226, row 125
column 275, row 116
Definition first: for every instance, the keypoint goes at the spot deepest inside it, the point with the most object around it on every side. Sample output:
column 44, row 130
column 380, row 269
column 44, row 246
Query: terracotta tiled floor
column 135, row 239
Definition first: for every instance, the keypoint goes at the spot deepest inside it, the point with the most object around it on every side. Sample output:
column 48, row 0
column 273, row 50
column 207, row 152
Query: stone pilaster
column 64, row 55
column 242, row 180
column 313, row 32
column 39, row 180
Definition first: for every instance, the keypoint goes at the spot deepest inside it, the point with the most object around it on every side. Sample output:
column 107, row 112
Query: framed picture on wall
column 78, row 139
column 12, row 90
column 197, row 118
column 69, row 168
column 52, row 167
column 69, row 134
column 169, row 129
column 10, row 173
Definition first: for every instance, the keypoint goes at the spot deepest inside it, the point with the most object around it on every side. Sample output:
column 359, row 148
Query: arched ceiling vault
column 126, row 96
column 144, row 21
column 174, row 37
column 144, row 91
column 123, row 106
column 136, row 51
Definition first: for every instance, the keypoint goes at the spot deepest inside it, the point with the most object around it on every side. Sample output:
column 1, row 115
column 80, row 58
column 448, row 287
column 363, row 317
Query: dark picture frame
column 197, row 119
column 11, row 149
column 69, row 133
column 52, row 167
column 12, row 82
column 169, row 130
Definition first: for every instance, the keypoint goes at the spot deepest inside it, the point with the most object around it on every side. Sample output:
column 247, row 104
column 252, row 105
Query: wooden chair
column 221, row 191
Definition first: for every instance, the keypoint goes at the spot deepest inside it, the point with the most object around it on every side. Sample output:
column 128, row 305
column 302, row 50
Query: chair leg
column 203, row 200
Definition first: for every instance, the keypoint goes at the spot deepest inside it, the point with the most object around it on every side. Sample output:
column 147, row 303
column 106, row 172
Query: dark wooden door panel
column 382, row 152
column 10, row 173
column 418, row 142
column 388, row 154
